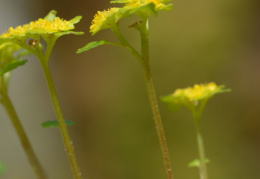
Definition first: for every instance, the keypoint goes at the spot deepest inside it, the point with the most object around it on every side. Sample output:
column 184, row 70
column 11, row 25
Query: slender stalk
column 62, row 125
column 203, row 168
column 144, row 60
column 125, row 43
column 153, row 99
column 158, row 121
column 31, row 156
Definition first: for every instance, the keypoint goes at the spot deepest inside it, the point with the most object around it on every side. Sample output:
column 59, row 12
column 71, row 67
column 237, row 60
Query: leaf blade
column 55, row 123
column 95, row 44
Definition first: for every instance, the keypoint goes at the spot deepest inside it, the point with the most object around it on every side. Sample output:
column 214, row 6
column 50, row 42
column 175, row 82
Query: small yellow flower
column 107, row 18
column 41, row 27
column 104, row 19
column 159, row 4
column 192, row 96
column 198, row 92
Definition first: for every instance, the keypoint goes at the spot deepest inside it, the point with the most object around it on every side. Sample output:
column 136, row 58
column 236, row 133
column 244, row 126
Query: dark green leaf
column 54, row 123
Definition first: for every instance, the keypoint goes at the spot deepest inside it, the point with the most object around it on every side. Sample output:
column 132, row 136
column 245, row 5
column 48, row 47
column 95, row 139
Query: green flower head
column 191, row 97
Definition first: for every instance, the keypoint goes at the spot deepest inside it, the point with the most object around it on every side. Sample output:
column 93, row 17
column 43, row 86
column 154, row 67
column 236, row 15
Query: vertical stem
column 158, row 121
column 31, row 156
column 153, row 99
column 203, row 168
column 62, row 125
column 125, row 43
column 144, row 60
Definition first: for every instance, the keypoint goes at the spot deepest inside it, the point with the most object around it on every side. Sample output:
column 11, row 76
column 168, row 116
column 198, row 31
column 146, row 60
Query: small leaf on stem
column 54, row 123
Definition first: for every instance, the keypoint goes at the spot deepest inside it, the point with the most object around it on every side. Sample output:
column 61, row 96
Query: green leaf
column 12, row 65
column 58, row 34
column 196, row 163
column 171, row 103
column 145, row 10
column 119, row 1
column 95, row 44
column 54, row 123
column 51, row 15
column 75, row 20
column 22, row 53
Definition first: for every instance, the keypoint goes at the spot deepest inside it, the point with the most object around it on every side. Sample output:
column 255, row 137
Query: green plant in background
column 195, row 99
column 109, row 19
column 2, row 167
column 38, row 37
column 8, row 62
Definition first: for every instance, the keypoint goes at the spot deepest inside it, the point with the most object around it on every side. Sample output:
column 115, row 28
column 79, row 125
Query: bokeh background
column 103, row 91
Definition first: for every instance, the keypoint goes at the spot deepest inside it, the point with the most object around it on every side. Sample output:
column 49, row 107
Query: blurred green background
column 103, row 91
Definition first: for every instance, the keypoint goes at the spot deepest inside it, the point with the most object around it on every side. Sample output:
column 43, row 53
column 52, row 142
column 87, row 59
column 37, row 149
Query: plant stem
column 62, row 125
column 158, row 121
column 153, row 99
column 31, row 156
column 203, row 168
column 144, row 60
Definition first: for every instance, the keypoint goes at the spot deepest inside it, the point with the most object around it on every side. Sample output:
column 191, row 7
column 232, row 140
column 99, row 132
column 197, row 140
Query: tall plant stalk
column 144, row 59
column 62, row 125
column 152, row 96
column 158, row 121
column 196, row 113
column 202, row 167
column 26, row 145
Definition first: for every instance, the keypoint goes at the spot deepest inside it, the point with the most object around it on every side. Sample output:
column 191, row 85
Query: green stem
column 144, row 60
column 203, row 168
column 62, row 125
column 125, row 43
column 153, row 99
column 158, row 121
column 38, row 170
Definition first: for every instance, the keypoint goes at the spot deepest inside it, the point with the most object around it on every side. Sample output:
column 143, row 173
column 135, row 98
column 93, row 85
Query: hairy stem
column 144, row 60
column 153, row 99
column 158, row 122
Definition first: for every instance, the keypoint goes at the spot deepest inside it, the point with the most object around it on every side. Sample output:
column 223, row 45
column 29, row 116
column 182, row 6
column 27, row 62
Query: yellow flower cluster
column 192, row 97
column 159, row 4
column 101, row 20
column 197, row 92
column 105, row 19
column 41, row 26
